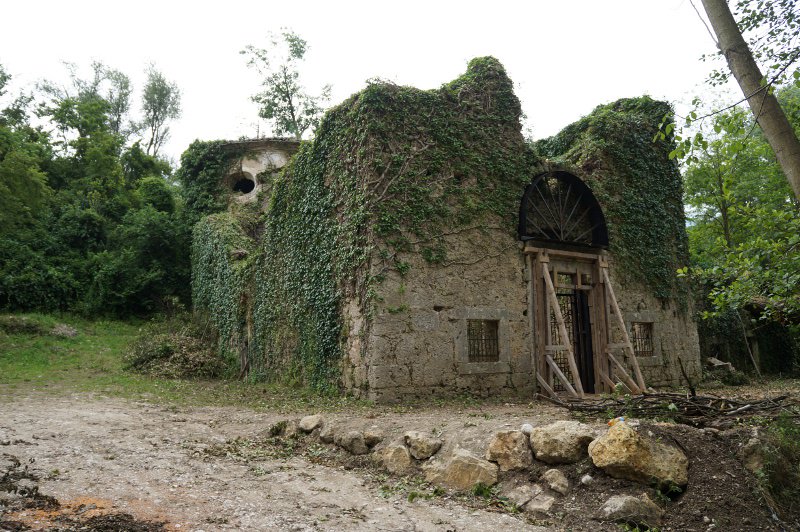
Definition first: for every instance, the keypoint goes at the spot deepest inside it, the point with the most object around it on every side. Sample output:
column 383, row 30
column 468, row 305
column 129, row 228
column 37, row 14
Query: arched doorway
column 571, row 302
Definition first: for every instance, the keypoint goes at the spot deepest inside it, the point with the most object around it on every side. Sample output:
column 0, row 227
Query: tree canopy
column 285, row 102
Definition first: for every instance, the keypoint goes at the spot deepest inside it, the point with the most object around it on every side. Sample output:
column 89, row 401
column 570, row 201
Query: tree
column 161, row 102
column 744, row 230
column 763, row 104
column 284, row 100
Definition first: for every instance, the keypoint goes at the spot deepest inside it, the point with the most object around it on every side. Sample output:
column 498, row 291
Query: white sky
column 565, row 56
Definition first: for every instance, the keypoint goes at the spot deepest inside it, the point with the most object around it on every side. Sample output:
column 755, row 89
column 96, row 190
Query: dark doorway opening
column 244, row 185
column 574, row 305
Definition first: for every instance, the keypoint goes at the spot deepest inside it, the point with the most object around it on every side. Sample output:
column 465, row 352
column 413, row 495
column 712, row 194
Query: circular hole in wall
column 245, row 185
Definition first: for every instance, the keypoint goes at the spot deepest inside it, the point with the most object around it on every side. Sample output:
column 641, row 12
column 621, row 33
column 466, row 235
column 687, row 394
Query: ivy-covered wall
column 636, row 183
column 392, row 170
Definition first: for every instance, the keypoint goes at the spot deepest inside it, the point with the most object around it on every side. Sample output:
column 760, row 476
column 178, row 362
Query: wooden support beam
column 627, row 380
column 532, row 316
column 606, row 379
column 547, row 388
column 623, row 383
column 562, row 329
column 561, row 376
column 626, row 339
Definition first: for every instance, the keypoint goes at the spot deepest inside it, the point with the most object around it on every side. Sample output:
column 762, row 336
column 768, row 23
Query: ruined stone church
column 419, row 246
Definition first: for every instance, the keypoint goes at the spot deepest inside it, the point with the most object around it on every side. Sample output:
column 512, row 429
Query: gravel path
column 149, row 461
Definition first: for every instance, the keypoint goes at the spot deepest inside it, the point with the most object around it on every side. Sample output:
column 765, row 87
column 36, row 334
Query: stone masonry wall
column 674, row 333
column 416, row 344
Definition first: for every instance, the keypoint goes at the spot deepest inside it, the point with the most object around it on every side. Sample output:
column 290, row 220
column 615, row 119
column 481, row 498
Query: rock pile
column 621, row 452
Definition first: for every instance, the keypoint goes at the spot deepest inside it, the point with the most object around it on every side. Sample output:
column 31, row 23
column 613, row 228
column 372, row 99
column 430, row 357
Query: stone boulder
column 562, row 442
column 636, row 510
column 373, row 436
column 327, row 434
column 396, row 459
column 510, row 450
column 520, row 495
column 421, row 445
column 624, row 453
column 309, row 423
column 540, row 504
column 556, row 481
column 462, row 471
column 752, row 453
column 352, row 441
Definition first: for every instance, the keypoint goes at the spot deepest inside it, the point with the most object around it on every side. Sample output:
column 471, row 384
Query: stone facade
column 482, row 317
column 263, row 157
column 417, row 341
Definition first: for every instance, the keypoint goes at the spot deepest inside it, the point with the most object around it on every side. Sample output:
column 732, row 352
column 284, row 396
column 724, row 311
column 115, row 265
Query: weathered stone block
column 510, row 450
column 461, row 471
column 562, row 442
column 421, row 445
column 624, row 453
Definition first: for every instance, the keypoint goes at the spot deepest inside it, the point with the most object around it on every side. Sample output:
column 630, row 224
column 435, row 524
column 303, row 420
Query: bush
column 10, row 324
column 177, row 348
column 782, row 463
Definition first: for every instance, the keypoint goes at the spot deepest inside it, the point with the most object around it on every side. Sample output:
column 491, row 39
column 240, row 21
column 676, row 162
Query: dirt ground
column 96, row 463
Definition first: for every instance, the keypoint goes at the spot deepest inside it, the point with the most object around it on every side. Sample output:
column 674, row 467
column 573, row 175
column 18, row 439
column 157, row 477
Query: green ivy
column 391, row 171
column 222, row 260
column 638, row 186
column 203, row 165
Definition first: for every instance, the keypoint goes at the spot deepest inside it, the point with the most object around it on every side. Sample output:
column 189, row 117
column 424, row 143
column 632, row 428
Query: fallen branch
column 697, row 410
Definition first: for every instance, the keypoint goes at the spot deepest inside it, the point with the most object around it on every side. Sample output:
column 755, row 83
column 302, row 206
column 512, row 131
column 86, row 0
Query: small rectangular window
column 482, row 341
column 642, row 338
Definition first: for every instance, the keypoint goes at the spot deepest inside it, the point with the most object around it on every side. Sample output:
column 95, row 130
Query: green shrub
column 175, row 349
column 782, row 463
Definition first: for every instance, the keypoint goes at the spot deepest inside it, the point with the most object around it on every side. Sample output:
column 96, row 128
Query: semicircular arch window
column 557, row 207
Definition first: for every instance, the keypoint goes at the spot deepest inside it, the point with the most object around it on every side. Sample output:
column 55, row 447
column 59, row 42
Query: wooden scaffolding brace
column 638, row 386
column 612, row 308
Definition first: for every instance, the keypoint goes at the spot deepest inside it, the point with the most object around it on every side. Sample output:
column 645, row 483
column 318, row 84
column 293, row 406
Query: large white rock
column 638, row 510
column 562, row 442
column 309, row 423
column 461, row 471
column 421, row 445
column 510, row 450
column 520, row 495
column 624, row 453
column 327, row 434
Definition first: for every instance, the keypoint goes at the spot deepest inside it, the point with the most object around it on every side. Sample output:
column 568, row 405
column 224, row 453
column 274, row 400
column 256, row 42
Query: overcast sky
column 565, row 56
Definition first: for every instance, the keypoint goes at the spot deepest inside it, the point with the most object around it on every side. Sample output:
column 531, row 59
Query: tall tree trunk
column 768, row 113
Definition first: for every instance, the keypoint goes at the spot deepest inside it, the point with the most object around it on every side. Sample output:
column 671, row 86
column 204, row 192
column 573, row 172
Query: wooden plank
column 625, row 337
column 532, row 318
column 627, row 380
column 543, row 384
column 563, row 253
column 542, row 316
column 560, row 375
column 562, row 329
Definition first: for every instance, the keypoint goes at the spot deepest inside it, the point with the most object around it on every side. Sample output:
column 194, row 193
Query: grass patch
column 34, row 360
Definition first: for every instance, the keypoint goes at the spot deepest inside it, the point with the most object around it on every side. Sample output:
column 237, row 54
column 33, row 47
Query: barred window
column 482, row 341
column 642, row 338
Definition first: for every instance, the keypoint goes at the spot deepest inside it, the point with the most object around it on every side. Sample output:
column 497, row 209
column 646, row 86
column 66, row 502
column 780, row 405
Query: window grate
column 483, row 341
column 642, row 338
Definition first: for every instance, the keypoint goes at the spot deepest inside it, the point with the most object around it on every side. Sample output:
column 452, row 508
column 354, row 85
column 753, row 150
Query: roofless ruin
column 418, row 246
